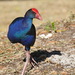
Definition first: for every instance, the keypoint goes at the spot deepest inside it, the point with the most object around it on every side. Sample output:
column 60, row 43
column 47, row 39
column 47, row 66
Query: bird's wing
column 22, row 32
column 30, row 37
column 17, row 29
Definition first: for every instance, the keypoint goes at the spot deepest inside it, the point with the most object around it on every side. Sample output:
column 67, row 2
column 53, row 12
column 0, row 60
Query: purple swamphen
column 22, row 30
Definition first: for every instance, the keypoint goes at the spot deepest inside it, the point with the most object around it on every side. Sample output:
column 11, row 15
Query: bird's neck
column 27, row 21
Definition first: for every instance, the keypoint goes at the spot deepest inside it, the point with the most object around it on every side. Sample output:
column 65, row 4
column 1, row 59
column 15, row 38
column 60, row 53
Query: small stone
column 72, row 25
column 53, row 42
column 45, row 36
column 63, row 73
column 73, row 35
column 1, row 67
column 36, row 71
column 53, row 73
column 48, row 35
column 42, row 36
column 47, row 60
column 1, row 51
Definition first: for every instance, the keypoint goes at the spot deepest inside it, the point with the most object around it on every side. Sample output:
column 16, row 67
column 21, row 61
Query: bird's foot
column 33, row 62
column 26, row 63
column 28, row 59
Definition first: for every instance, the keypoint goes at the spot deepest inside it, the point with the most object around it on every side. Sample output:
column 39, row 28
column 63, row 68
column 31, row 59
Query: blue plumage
column 21, row 30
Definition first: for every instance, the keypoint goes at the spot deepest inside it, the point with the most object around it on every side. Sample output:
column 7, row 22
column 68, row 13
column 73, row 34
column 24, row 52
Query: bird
column 22, row 30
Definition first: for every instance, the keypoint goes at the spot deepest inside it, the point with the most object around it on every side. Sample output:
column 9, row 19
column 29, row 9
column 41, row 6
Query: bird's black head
column 33, row 13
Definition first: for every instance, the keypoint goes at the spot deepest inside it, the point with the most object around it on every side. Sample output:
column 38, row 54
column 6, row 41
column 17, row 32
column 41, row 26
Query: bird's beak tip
column 38, row 16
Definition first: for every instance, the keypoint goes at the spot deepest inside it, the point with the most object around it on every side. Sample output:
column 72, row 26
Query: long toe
column 33, row 65
column 33, row 61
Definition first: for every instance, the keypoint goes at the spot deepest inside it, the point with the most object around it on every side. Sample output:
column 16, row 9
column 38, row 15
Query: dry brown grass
column 49, row 9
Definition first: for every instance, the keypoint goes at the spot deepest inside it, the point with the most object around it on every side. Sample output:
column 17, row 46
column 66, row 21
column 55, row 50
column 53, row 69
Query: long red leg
column 32, row 62
column 27, row 61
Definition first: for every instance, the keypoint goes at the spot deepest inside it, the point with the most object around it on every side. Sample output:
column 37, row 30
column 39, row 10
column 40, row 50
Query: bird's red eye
column 35, row 10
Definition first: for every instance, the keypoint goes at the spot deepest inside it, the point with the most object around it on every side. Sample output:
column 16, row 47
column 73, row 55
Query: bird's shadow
column 41, row 55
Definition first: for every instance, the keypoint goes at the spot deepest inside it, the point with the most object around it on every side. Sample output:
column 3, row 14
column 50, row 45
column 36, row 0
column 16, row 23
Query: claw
column 32, row 64
column 34, row 61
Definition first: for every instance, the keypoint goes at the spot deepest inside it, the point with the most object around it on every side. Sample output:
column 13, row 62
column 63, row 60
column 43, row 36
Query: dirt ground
column 55, row 55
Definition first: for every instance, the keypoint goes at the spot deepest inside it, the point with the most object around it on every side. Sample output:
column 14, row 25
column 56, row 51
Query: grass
column 57, row 26
column 51, row 10
column 53, row 26
column 14, row 53
column 50, row 26
column 47, row 26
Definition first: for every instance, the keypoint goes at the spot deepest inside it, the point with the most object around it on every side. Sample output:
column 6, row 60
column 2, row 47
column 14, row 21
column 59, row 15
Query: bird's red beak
column 38, row 16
